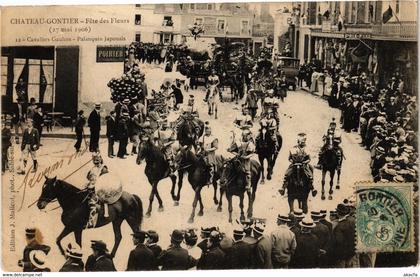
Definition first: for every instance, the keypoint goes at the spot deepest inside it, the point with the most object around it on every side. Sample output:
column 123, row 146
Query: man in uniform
column 32, row 244
column 141, row 258
column 30, row 144
column 298, row 155
column 271, row 102
column 213, row 80
column 208, row 146
column 164, row 138
column 97, row 170
column 336, row 137
column 246, row 149
column 270, row 123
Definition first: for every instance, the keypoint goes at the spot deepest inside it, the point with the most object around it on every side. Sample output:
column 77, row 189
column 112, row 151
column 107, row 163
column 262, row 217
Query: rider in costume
column 271, row 102
column 298, row 154
column 208, row 146
column 213, row 80
column 336, row 137
column 270, row 123
column 164, row 138
column 243, row 121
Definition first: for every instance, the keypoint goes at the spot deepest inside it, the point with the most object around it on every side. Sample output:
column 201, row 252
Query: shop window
column 166, row 38
column 221, row 23
column 244, row 27
column 167, row 21
column 210, row 6
column 192, row 6
column 137, row 19
column 138, row 37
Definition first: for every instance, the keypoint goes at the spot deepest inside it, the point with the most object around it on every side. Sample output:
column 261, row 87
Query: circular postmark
column 383, row 219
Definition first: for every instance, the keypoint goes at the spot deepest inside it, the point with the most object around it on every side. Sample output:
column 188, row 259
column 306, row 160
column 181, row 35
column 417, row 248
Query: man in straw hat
column 176, row 257
column 239, row 256
column 262, row 259
column 283, row 241
column 308, row 247
column 33, row 243
column 100, row 260
column 74, row 261
column 141, row 258
column 38, row 260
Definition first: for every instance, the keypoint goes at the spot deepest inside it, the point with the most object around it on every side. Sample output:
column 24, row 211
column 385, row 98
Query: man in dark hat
column 33, row 243
column 342, row 240
column 74, row 261
column 142, row 257
column 324, row 220
column 176, row 257
column 308, row 247
column 283, row 241
column 296, row 217
column 100, row 260
column 262, row 259
column 94, row 123
column 78, row 127
column 111, row 130
column 122, row 135
column 240, row 255
column 152, row 240
column 30, row 144
column 213, row 257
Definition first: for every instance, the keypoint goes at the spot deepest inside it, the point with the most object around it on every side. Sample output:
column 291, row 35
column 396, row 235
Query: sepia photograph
column 209, row 136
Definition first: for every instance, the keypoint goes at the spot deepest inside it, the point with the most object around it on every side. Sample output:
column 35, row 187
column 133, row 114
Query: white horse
column 213, row 100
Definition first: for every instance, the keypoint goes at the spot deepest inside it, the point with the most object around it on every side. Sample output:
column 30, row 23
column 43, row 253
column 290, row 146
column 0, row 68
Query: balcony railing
column 402, row 29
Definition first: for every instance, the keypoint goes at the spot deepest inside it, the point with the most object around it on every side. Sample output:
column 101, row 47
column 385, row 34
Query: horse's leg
column 304, row 203
column 158, row 198
column 200, row 201
column 338, row 179
column 323, row 184
column 261, row 159
column 215, row 111
column 180, row 179
column 251, row 198
column 290, row 200
column 194, row 205
column 151, row 197
column 215, row 192
column 173, row 188
column 116, row 225
column 230, row 208
column 78, row 236
column 222, row 191
column 62, row 235
column 241, row 206
column 269, row 167
column 332, row 173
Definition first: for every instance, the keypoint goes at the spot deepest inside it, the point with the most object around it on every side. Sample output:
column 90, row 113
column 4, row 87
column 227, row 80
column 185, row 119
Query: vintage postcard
column 209, row 136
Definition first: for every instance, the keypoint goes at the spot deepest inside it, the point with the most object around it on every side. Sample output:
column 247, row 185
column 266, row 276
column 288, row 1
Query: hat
column 215, row 235
column 307, row 222
column 342, row 209
column 153, row 235
column 191, row 96
column 333, row 213
column 398, row 179
column 259, row 228
column 190, row 237
column 97, row 105
column 125, row 114
column 140, row 235
column 323, row 213
column 380, row 149
column 298, row 213
column 37, row 258
column 283, row 217
column 74, row 252
column 30, row 232
column 98, row 245
column 177, row 236
column 316, row 215
column 238, row 232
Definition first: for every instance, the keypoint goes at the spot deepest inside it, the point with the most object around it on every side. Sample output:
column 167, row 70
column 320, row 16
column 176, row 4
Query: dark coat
column 38, row 120
column 6, row 135
column 80, row 123
column 262, row 258
column 31, row 139
column 156, row 249
column 239, row 256
column 327, row 223
column 101, row 263
column 176, row 258
column 213, row 258
column 323, row 234
column 141, row 258
column 94, row 121
column 72, row 265
column 179, row 98
column 111, row 127
column 122, row 129
column 342, row 240
column 307, row 251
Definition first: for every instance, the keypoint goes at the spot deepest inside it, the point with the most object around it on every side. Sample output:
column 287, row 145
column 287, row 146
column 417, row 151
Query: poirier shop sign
column 106, row 54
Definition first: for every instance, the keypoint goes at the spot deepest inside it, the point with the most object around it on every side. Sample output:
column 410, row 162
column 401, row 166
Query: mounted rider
column 243, row 121
column 245, row 150
column 271, row 102
column 188, row 112
column 213, row 81
column 164, row 137
column 269, row 123
column 335, row 136
column 97, row 170
column 208, row 146
column 298, row 155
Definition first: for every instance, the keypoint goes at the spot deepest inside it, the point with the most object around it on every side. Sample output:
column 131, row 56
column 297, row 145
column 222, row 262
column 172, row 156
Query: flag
column 387, row 15
column 340, row 22
column 42, row 84
column 22, row 84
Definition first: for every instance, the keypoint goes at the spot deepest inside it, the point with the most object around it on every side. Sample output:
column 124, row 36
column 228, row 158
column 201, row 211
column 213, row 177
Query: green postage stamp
column 384, row 217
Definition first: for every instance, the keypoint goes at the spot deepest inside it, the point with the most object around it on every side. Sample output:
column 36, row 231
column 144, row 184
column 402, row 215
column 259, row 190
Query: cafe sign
column 357, row 36
column 107, row 54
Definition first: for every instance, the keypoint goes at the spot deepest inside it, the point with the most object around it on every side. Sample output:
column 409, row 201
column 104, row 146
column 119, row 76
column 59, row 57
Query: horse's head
column 48, row 193
column 142, row 151
column 180, row 155
column 229, row 171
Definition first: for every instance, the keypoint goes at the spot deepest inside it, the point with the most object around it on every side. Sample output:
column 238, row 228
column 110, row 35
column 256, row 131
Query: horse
column 298, row 187
column 198, row 174
column 237, row 86
column 213, row 100
column 188, row 131
column 331, row 163
column 265, row 148
column 76, row 211
column 157, row 168
column 232, row 182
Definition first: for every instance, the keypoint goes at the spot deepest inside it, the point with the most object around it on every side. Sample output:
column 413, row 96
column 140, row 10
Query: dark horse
column 330, row 162
column 265, row 148
column 157, row 168
column 188, row 131
column 198, row 174
column 75, row 214
column 298, row 187
column 232, row 181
